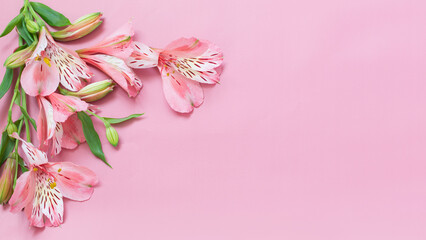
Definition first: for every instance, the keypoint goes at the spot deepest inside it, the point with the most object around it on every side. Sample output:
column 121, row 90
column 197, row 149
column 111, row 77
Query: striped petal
column 142, row 56
column 47, row 201
column 117, row 69
column 45, row 123
column 33, row 155
column 57, row 139
column 65, row 106
column 71, row 68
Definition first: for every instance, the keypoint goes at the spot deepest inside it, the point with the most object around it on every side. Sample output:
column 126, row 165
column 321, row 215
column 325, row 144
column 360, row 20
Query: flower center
column 45, row 59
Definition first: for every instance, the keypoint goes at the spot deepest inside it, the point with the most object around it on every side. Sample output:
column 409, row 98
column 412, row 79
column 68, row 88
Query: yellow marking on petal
column 35, row 169
column 168, row 74
column 60, row 169
column 52, row 185
column 47, row 61
column 195, row 43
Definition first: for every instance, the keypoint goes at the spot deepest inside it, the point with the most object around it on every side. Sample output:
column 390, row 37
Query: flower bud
column 32, row 26
column 11, row 128
column 79, row 28
column 7, row 176
column 18, row 58
column 93, row 91
column 111, row 135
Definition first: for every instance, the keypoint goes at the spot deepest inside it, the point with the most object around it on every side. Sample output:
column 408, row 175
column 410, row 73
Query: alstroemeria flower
column 110, row 56
column 183, row 64
column 41, row 189
column 50, row 64
column 55, row 108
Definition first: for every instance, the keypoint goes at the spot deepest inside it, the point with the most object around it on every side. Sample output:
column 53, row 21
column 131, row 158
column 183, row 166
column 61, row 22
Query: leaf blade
column 6, row 147
column 9, row 27
column 50, row 16
column 7, row 82
column 23, row 32
column 120, row 120
column 92, row 137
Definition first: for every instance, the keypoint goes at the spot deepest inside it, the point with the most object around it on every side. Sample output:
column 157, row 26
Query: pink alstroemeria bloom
column 55, row 108
column 41, row 189
column 184, row 64
column 110, row 56
column 51, row 64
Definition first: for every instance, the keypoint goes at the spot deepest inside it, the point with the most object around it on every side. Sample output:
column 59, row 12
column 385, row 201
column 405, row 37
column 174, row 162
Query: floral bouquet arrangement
column 59, row 80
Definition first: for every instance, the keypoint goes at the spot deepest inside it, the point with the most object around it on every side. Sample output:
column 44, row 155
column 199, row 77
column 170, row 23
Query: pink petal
column 181, row 93
column 65, row 106
column 117, row 69
column 75, row 182
column 38, row 78
column 142, row 56
column 47, row 200
column 57, row 139
column 187, row 47
column 71, row 68
column 72, row 133
column 23, row 193
column 45, row 123
column 33, row 155
column 117, row 44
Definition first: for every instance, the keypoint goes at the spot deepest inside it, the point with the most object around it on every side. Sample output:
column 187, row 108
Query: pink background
column 318, row 130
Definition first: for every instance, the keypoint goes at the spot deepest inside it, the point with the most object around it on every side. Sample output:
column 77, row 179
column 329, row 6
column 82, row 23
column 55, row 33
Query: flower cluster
column 60, row 81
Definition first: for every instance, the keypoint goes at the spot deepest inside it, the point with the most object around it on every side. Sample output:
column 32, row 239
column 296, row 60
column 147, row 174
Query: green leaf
column 7, row 82
column 92, row 137
column 120, row 120
column 52, row 17
column 27, row 116
column 12, row 25
column 23, row 32
column 6, row 146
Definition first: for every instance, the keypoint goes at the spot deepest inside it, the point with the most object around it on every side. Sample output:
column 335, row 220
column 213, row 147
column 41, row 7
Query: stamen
column 47, row 61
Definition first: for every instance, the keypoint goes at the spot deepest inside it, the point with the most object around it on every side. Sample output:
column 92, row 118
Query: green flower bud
column 111, row 135
column 32, row 26
column 18, row 58
column 11, row 128
column 7, row 176
column 79, row 28
column 93, row 91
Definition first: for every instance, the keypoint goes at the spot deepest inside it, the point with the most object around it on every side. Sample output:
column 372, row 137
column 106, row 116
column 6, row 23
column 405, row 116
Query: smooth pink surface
column 318, row 130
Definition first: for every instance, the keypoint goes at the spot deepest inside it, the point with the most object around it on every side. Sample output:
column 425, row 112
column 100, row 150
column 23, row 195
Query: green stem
column 24, row 106
column 99, row 117
column 16, row 155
